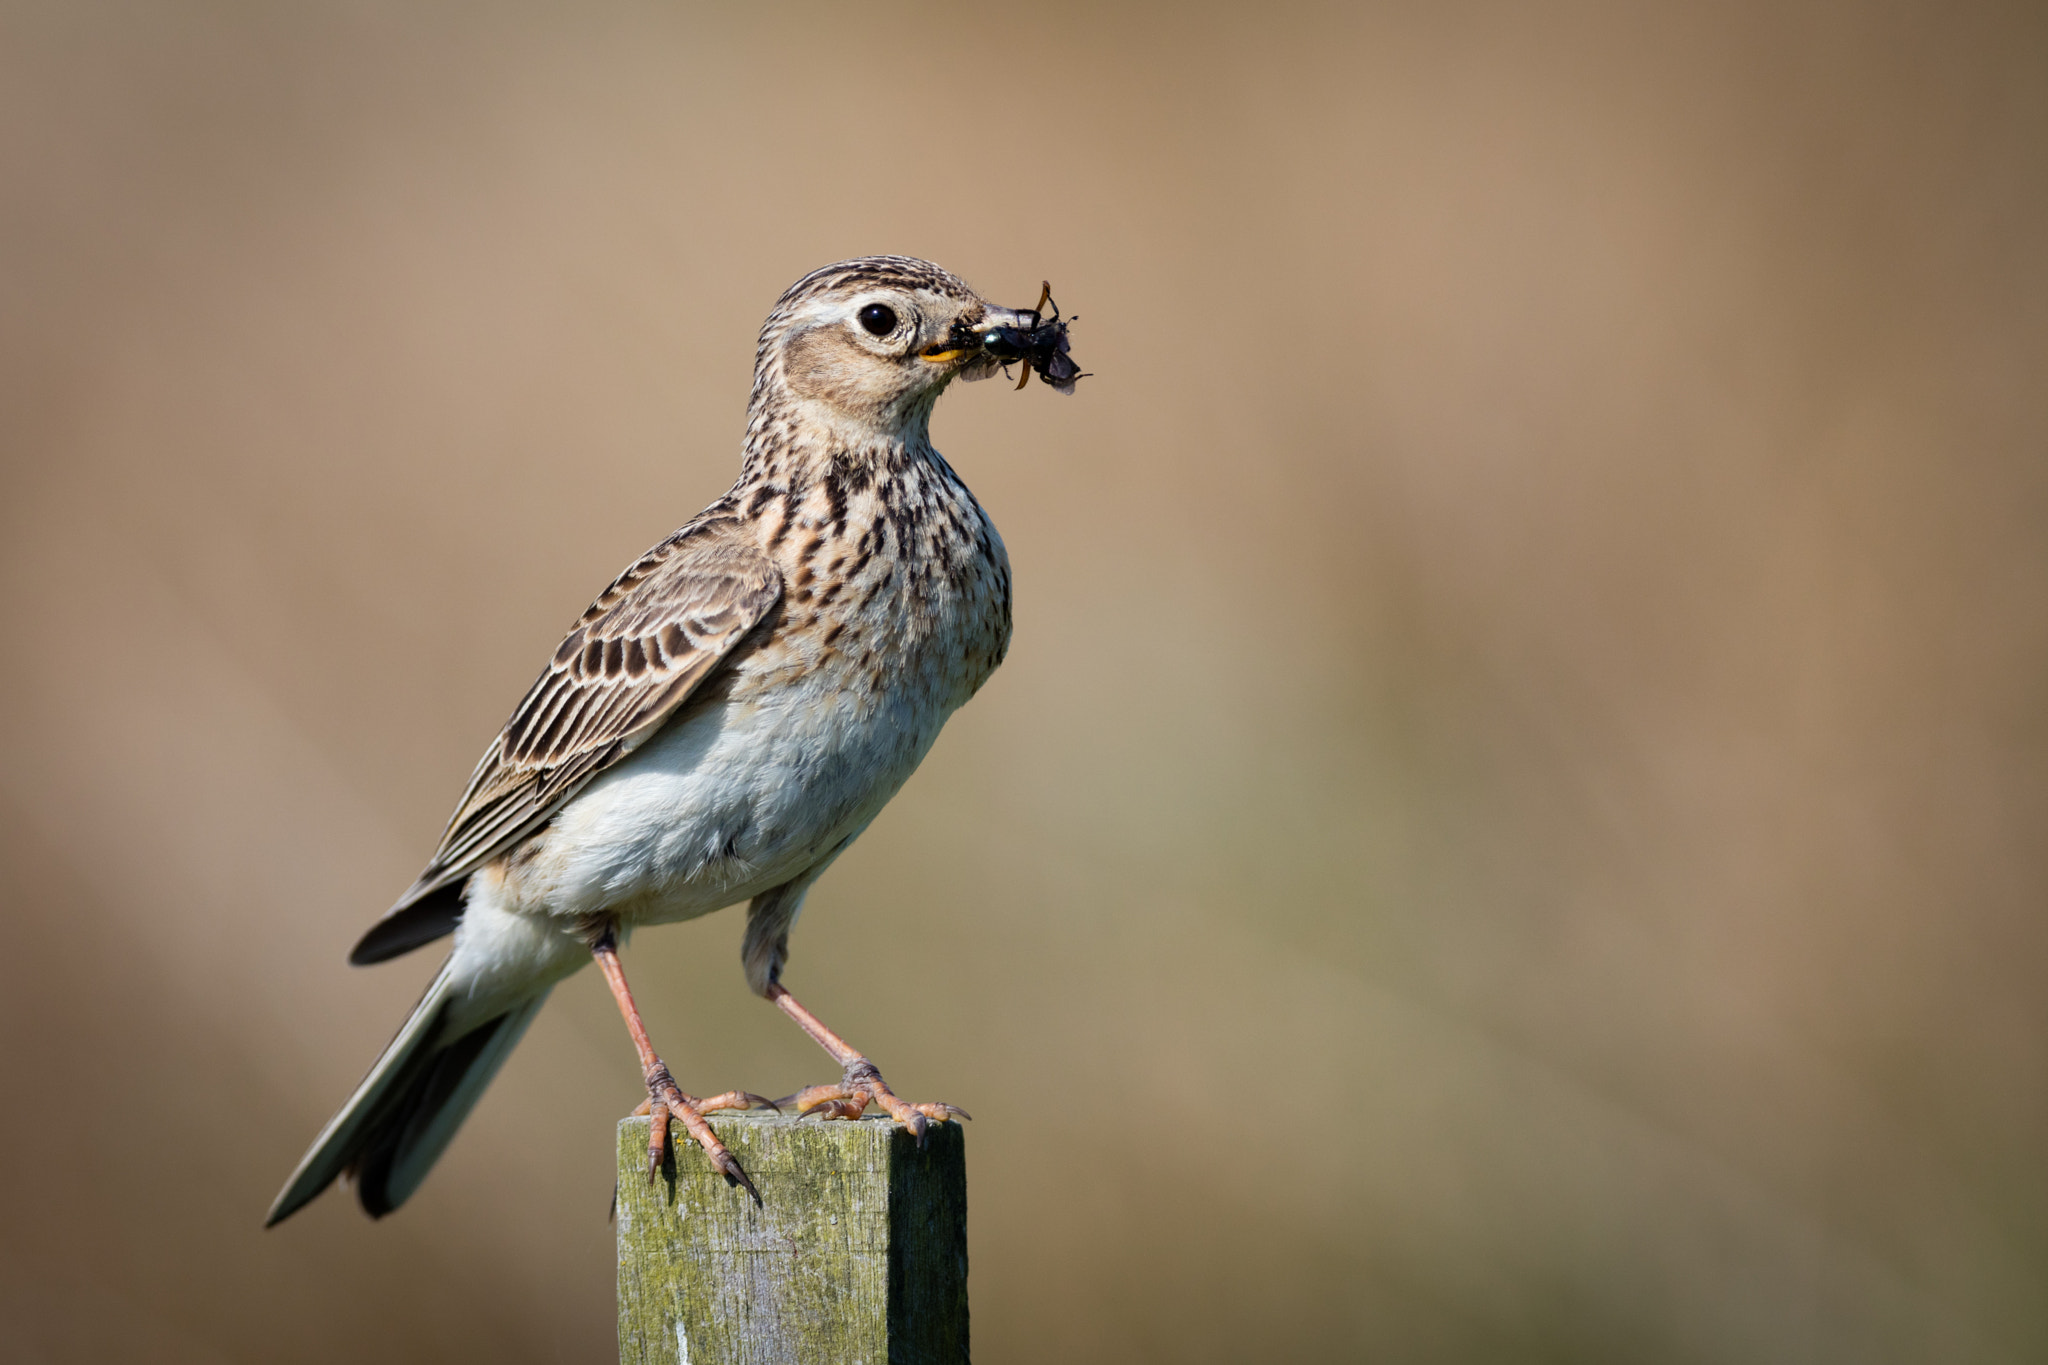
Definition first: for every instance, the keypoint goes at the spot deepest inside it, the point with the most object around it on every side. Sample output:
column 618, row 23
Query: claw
column 734, row 1175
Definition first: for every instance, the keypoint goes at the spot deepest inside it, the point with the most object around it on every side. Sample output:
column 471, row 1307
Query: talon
column 722, row 1160
column 942, row 1113
column 734, row 1175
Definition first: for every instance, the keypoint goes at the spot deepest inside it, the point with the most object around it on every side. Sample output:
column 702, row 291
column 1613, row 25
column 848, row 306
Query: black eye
column 878, row 318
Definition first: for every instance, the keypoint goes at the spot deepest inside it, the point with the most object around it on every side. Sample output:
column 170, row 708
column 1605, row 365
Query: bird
column 717, row 727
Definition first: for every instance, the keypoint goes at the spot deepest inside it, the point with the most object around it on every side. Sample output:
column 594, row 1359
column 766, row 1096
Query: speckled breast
column 896, row 589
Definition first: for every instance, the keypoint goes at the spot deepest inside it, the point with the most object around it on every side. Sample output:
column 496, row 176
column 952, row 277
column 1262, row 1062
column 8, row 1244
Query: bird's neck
column 792, row 443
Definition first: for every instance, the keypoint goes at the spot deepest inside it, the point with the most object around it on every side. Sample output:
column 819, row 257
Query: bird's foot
column 861, row 1086
column 665, row 1100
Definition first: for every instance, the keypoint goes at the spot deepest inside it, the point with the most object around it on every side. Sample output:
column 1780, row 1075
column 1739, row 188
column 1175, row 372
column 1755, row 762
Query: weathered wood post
column 858, row 1253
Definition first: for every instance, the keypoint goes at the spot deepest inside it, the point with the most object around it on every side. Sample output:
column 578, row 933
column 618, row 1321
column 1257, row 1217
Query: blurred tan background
column 1513, row 825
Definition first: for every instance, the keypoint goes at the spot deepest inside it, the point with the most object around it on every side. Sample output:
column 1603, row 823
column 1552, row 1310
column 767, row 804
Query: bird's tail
column 406, row 1110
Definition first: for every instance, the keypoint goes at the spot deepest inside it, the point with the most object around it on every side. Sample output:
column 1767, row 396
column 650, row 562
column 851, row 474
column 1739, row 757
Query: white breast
column 723, row 805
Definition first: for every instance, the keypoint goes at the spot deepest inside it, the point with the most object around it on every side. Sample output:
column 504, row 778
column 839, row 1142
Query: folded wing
column 639, row 650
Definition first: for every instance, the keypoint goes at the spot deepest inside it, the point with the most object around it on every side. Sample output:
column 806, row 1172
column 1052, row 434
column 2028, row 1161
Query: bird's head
column 869, row 344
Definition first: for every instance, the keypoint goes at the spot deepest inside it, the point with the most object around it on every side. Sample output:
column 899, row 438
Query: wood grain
column 857, row 1254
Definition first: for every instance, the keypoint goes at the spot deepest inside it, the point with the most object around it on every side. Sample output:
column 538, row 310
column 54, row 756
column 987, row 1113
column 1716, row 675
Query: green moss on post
column 858, row 1253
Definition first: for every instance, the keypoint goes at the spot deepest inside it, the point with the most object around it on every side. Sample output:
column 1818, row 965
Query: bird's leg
column 860, row 1083
column 665, row 1100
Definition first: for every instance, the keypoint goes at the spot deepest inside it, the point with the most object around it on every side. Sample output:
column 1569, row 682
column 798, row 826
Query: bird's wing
column 638, row 651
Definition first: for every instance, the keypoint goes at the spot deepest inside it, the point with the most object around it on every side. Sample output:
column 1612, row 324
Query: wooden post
column 857, row 1255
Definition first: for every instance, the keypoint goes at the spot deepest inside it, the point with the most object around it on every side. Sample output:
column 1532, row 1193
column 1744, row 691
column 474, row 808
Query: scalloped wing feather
column 632, row 658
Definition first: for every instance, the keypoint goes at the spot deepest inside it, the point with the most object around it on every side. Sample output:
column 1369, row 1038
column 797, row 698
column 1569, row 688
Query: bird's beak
column 965, row 340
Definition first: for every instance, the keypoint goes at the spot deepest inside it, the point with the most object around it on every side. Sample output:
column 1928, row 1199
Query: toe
column 907, row 1115
column 812, row 1096
column 738, row 1099
column 657, row 1139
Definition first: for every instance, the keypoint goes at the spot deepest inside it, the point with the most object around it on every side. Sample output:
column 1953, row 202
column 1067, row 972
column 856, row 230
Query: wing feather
column 632, row 658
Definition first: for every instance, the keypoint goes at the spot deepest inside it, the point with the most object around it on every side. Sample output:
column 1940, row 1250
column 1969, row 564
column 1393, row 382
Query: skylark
column 724, row 720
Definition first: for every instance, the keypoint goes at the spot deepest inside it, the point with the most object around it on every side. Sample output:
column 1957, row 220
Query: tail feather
column 405, row 1146
column 407, row 1109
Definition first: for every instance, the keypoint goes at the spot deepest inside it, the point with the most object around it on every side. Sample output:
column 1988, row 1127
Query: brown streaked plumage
column 634, row 655
column 718, row 726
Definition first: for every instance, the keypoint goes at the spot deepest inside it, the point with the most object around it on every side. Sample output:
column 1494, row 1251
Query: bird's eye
column 878, row 318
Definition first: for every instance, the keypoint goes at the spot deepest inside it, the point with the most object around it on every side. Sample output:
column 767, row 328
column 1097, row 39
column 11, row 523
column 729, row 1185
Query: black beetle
column 1042, row 346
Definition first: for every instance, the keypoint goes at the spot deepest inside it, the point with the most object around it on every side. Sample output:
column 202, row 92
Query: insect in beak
column 1038, row 340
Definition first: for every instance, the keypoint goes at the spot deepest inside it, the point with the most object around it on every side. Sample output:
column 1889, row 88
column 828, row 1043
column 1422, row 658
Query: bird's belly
column 723, row 804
